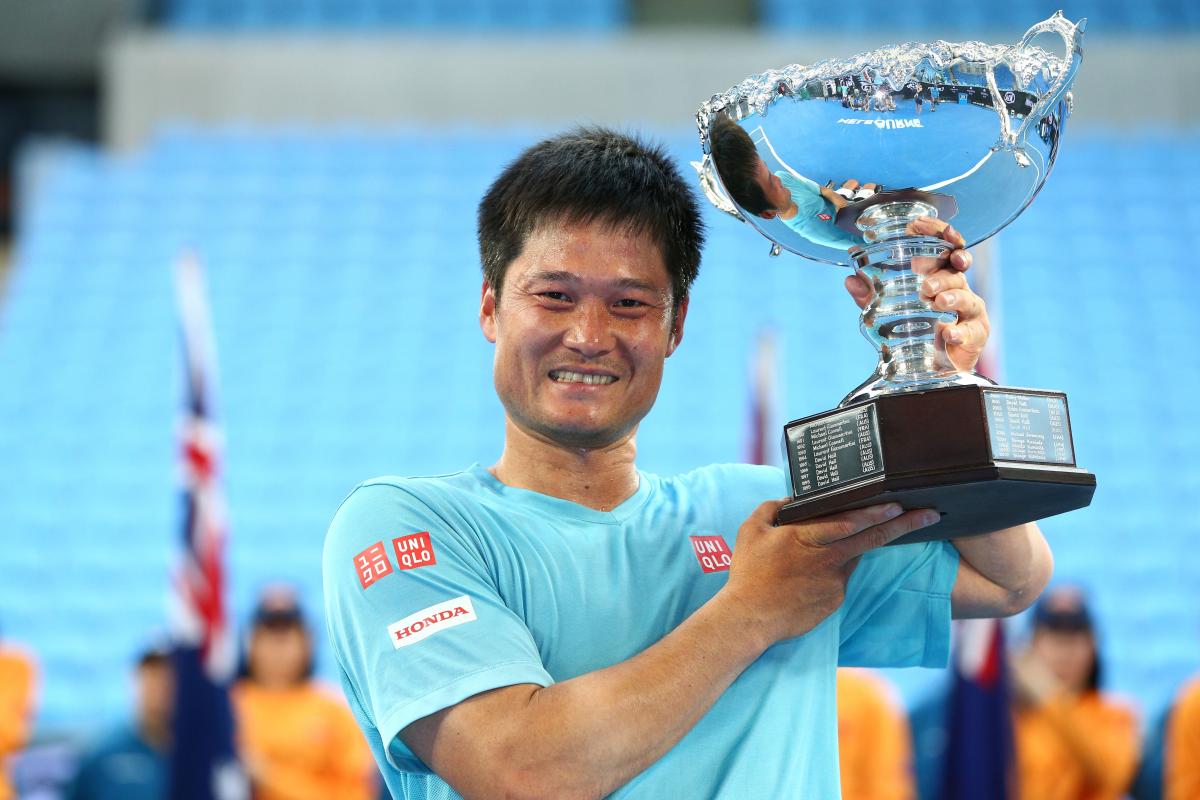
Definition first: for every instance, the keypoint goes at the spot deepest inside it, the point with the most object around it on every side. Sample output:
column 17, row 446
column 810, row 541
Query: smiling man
column 563, row 625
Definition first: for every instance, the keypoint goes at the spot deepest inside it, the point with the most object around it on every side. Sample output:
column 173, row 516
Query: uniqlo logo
column 712, row 553
column 823, row 216
column 372, row 564
column 414, row 550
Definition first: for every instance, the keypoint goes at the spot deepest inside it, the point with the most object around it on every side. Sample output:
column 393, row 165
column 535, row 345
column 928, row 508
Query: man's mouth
column 570, row 376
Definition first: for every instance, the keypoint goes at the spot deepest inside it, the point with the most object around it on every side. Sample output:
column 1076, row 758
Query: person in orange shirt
column 1182, row 779
column 17, row 678
column 874, row 742
column 1073, row 741
column 298, row 740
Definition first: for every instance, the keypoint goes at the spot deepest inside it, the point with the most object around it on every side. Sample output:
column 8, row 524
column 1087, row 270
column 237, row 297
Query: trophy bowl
column 834, row 162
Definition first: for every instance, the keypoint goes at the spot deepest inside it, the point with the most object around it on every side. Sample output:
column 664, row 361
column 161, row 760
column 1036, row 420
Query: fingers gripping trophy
column 837, row 163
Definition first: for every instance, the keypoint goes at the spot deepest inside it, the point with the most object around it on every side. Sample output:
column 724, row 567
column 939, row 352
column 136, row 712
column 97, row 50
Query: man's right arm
column 587, row 736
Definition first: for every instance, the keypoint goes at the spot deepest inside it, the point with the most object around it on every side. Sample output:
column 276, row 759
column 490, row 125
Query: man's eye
column 557, row 296
column 629, row 302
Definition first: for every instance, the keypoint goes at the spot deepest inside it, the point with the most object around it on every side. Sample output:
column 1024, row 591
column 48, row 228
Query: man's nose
column 590, row 332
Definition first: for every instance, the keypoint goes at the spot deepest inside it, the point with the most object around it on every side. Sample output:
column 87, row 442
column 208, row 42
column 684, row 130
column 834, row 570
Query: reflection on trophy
column 834, row 162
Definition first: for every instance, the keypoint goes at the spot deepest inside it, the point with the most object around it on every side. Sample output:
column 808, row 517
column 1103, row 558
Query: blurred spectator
column 298, row 740
column 873, row 740
column 17, row 674
column 1183, row 746
column 1073, row 742
column 130, row 763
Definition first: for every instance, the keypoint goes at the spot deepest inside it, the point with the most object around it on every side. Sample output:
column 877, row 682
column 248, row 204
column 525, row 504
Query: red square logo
column 824, row 217
column 712, row 553
column 414, row 550
column 372, row 564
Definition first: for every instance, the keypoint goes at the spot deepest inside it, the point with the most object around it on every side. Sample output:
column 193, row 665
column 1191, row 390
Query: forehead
column 597, row 251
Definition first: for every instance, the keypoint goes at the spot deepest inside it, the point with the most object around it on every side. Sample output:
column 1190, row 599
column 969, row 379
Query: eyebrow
column 571, row 277
column 552, row 275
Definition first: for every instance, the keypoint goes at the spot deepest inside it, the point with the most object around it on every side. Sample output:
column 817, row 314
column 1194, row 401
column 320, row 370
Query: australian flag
column 980, row 761
column 204, row 764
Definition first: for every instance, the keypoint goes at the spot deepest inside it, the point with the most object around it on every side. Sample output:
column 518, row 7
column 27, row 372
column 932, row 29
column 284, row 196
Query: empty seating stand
column 367, row 15
column 344, row 282
column 1104, row 16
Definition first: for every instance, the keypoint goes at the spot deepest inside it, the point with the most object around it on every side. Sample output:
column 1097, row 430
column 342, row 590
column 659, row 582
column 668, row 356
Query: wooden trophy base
column 985, row 457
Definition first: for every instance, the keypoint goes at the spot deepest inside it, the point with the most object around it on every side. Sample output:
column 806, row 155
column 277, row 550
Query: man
column 131, row 762
column 563, row 625
column 802, row 205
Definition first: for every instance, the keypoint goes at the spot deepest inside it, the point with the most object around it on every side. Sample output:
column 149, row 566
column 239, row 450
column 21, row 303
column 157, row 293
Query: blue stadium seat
column 344, row 282
column 1104, row 16
column 259, row 15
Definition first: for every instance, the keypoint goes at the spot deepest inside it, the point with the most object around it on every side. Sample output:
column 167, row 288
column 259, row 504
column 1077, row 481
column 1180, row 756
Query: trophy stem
column 898, row 321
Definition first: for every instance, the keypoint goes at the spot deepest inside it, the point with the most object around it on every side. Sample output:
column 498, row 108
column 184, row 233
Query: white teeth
column 566, row 376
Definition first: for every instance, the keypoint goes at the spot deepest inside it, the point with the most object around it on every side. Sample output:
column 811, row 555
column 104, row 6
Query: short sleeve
column 897, row 607
column 414, row 615
column 797, row 184
column 814, row 219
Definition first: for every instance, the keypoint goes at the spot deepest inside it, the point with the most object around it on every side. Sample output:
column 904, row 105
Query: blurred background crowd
column 322, row 160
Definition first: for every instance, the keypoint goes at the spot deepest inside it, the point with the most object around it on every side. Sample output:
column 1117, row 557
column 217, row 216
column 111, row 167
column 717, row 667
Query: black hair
column 737, row 159
column 154, row 658
column 592, row 174
column 1096, row 675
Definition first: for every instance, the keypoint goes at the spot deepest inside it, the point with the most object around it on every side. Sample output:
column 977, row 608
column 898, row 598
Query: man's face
column 581, row 331
column 155, row 693
column 778, row 197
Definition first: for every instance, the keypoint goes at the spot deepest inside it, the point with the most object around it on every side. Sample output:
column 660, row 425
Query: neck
column 791, row 211
column 599, row 478
column 156, row 733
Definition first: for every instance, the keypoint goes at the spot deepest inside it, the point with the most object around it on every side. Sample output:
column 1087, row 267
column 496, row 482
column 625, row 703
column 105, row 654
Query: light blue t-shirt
column 815, row 215
column 437, row 589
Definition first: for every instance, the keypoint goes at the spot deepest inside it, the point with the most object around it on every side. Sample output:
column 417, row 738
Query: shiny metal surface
column 978, row 122
column 835, row 161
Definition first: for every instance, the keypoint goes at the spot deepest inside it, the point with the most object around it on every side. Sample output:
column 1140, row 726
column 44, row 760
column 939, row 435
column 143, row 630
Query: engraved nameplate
column 835, row 450
column 1029, row 427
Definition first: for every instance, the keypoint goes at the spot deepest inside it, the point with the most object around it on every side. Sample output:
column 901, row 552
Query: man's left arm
column 999, row 573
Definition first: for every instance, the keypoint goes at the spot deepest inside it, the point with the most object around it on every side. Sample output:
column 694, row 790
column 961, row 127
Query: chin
column 581, row 434
column 583, row 438
column 570, row 425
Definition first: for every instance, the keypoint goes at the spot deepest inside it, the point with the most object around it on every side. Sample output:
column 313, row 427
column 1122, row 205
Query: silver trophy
column 834, row 162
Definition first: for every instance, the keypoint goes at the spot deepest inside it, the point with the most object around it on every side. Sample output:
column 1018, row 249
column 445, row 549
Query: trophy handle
column 1072, row 36
column 713, row 189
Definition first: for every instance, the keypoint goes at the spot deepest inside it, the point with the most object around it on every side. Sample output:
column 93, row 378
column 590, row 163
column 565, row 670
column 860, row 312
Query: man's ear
column 677, row 329
column 768, row 214
column 487, row 312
